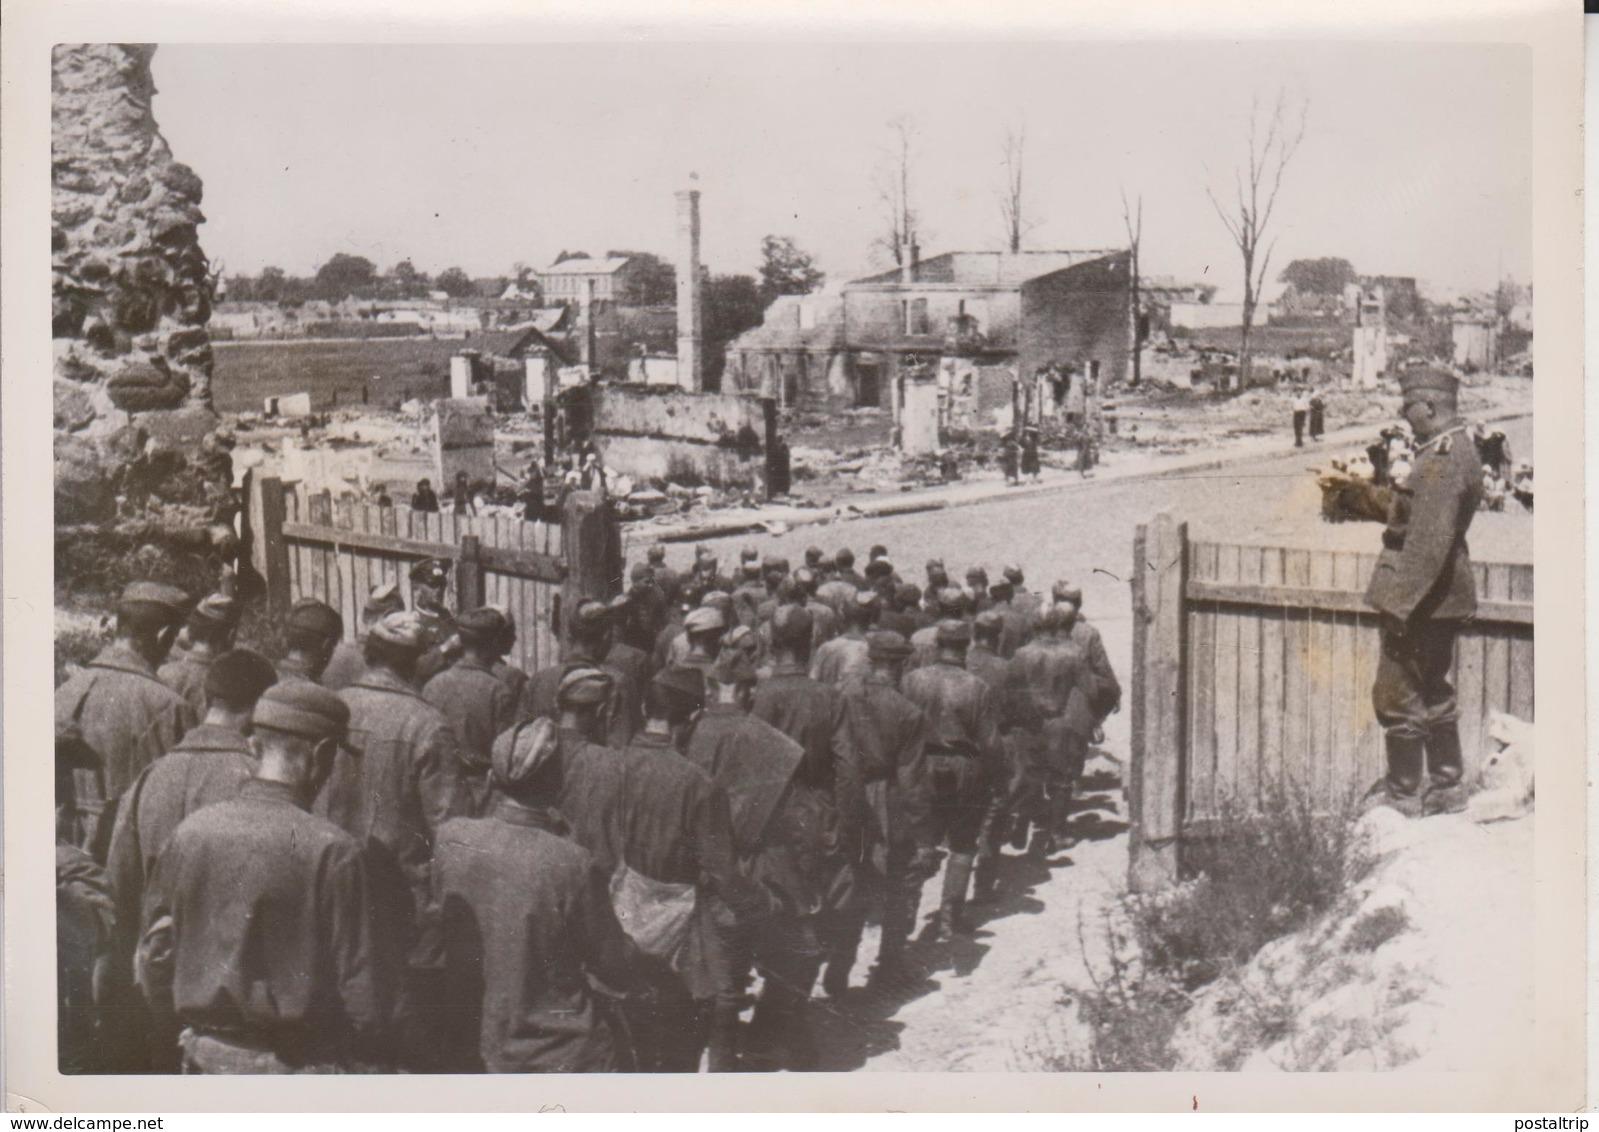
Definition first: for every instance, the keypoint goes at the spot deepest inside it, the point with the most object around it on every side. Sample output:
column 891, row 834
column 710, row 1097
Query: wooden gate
column 309, row 544
column 1253, row 666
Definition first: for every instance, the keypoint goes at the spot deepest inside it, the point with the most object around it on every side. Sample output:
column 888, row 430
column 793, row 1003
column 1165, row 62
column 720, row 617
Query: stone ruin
column 138, row 452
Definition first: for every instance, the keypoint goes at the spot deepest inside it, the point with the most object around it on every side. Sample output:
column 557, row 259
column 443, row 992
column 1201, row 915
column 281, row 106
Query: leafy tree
column 404, row 281
column 786, row 270
column 270, row 285
column 1326, row 276
column 454, row 282
column 653, row 281
column 345, row 275
column 566, row 255
column 733, row 305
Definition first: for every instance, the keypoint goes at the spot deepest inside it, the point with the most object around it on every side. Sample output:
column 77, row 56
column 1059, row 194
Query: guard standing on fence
column 1423, row 587
column 430, row 580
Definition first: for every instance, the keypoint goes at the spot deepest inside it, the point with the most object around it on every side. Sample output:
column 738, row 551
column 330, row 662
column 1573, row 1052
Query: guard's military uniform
column 1423, row 586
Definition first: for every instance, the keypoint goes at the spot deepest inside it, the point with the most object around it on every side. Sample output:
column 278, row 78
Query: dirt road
column 989, row 1002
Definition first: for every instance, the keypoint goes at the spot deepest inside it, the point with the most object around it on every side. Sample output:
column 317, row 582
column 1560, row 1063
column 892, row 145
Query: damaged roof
column 988, row 268
column 607, row 266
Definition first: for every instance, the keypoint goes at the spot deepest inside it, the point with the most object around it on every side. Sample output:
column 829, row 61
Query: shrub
column 1376, row 928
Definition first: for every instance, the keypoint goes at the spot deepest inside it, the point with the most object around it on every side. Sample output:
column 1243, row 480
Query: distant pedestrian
column 1030, row 464
column 461, row 495
column 1318, row 416
column 383, row 498
column 532, row 494
column 1301, row 413
column 424, row 498
column 1009, row 457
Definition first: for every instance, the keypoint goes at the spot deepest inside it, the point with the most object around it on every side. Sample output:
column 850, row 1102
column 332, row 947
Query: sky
column 1416, row 159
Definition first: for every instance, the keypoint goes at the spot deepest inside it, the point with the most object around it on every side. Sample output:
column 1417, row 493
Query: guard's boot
column 952, row 908
column 722, row 1053
column 1401, row 789
column 1446, row 793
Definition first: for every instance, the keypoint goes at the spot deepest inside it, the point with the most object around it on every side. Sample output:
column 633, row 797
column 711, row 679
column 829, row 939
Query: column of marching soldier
column 406, row 854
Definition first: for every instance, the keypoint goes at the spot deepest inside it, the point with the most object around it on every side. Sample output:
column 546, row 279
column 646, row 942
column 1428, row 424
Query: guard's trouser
column 1415, row 702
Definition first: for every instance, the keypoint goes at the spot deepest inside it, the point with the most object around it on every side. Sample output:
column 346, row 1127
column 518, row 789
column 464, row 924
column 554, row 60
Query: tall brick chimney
column 690, row 303
column 588, row 351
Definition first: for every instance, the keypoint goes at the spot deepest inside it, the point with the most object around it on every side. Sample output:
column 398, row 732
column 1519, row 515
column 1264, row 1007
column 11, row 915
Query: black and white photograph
column 698, row 557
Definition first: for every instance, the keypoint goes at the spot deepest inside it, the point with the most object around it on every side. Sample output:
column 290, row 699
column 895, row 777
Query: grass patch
column 1376, row 928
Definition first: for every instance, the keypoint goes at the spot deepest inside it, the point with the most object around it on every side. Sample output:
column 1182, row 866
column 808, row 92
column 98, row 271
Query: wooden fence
column 1253, row 666
column 309, row 544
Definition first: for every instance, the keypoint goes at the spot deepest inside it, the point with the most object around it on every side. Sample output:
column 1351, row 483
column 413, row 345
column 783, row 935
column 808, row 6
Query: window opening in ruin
column 868, row 386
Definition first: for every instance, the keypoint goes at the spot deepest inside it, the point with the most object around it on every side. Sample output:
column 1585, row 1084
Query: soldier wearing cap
column 591, row 638
column 1014, row 624
column 667, row 580
column 842, row 662
column 1024, row 599
column 901, row 612
column 678, row 875
column 827, row 799
column 964, row 757
column 1018, row 729
column 977, row 589
column 260, row 928
column 836, row 591
column 430, row 581
column 211, row 628
column 349, row 660
column 514, row 679
column 127, row 716
column 703, row 629
column 937, row 580
column 395, row 784
column 529, row 926
column 1423, row 588
column 824, row 620
column 706, row 567
column 208, row 765
column 750, row 591
column 312, row 632
column 754, row 764
column 896, row 851
column 623, row 655
column 845, row 559
column 949, row 603
column 644, row 613
column 476, row 702
column 1105, row 697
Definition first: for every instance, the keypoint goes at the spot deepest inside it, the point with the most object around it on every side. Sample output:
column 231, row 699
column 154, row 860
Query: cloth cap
column 887, row 645
column 953, row 631
column 656, row 554
column 878, row 551
column 584, row 684
column 909, row 594
column 828, row 562
column 1065, row 591
column 749, row 554
column 774, row 562
column 219, row 609
column 813, row 555
column 935, row 565
column 977, row 573
column 750, row 568
column 683, row 681
column 170, row 598
column 704, row 620
column 721, row 601
column 805, row 576
column 481, row 626
column 430, row 572
column 791, row 625
column 845, row 558
column 519, row 751
column 304, row 709
column 239, row 676
column 1428, row 379
column 1013, row 575
column 879, row 568
column 383, row 599
column 591, row 613
column 641, row 572
column 734, row 666
column 315, row 616
column 988, row 623
column 404, row 629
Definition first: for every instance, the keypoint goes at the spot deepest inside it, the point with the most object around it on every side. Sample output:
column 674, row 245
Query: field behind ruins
column 333, row 371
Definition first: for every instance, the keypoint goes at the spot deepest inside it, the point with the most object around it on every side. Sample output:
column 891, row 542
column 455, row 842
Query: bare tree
column 1134, row 219
column 1018, row 223
column 892, row 180
column 1256, row 189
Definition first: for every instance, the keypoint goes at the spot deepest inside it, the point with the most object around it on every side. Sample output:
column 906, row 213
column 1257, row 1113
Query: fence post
column 274, row 552
column 592, row 540
column 469, row 573
column 1160, row 697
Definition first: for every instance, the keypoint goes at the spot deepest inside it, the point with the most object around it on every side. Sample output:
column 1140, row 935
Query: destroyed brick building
column 1017, row 311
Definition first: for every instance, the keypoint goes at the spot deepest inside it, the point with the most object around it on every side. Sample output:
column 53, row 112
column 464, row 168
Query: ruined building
column 991, row 310
column 135, row 437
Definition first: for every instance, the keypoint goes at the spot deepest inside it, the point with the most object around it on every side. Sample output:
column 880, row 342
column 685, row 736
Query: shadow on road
column 860, row 1024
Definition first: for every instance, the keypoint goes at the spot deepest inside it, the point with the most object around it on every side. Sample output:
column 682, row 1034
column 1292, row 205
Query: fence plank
column 1249, row 758
column 1296, row 682
column 1201, row 791
column 1321, row 683
column 1332, row 600
column 275, row 558
column 1227, row 630
column 1350, row 709
column 1273, row 652
column 1157, row 823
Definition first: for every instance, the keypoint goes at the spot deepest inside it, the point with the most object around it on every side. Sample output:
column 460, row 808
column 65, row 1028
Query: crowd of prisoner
column 405, row 854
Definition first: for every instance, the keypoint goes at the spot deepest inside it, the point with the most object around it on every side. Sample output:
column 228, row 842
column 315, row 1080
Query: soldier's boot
column 723, row 1043
column 1059, row 814
column 1400, row 789
column 952, row 908
column 1446, row 792
column 985, row 877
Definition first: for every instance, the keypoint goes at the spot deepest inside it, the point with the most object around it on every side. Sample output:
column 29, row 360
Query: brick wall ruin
column 136, row 439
